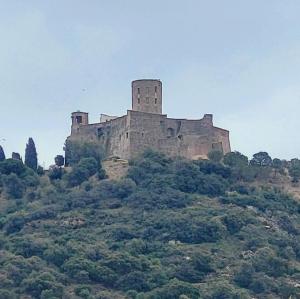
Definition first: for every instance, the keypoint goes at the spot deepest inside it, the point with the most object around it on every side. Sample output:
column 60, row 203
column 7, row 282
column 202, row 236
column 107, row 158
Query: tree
column 82, row 171
column 261, row 159
column 294, row 170
column 16, row 156
column 40, row 170
column 55, row 173
column 59, row 160
column 75, row 151
column 235, row 159
column 13, row 186
column 277, row 165
column 12, row 166
column 31, row 155
column 2, row 154
column 215, row 155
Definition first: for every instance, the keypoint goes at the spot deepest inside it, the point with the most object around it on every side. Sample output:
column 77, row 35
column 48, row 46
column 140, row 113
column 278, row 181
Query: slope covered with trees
column 171, row 228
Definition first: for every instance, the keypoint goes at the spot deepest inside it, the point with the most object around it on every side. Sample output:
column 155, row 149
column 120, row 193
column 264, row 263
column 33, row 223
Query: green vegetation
column 171, row 228
column 31, row 155
column 2, row 154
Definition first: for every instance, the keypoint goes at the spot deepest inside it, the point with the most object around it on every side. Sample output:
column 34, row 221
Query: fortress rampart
column 146, row 127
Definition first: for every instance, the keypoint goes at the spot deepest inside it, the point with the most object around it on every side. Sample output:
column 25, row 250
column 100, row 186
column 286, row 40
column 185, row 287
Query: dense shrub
column 82, row 171
column 172, row 228
column 13, row 185
column 12, row 166
column 75, row 151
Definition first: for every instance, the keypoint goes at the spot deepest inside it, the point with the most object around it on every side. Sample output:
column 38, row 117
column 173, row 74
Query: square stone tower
column 147, row 96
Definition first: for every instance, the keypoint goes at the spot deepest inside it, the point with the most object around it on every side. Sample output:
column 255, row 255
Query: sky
column 236, row 59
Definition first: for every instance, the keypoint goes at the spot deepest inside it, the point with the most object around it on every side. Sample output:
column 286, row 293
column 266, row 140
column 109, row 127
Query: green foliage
column 40, row 170
column 12, row 166
column 174, row 289
column 55, row 173
column 172, row 228
column 2, row 154
column 31, row 155
column 215, row 155
column 75, row 151
column 235, row 159
column 82, row 171
column 16, row 156
column 59, row 160
column 13, row 186
column 261, row 159
column 294, row 170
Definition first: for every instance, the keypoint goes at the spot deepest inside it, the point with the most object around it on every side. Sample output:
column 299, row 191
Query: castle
column 145, row 126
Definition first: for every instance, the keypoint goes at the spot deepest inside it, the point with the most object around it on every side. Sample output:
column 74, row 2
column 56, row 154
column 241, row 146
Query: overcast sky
column 237, row 59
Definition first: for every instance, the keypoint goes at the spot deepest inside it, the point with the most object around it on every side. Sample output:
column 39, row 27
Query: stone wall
column 104, row 118
column 111, row 136
column 192, row 139
column 129, row 135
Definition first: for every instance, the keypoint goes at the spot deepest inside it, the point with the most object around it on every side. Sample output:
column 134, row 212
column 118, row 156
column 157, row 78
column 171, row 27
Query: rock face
column 146, row 127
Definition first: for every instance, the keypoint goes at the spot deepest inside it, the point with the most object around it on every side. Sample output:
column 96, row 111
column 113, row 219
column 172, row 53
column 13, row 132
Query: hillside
column 170, row 228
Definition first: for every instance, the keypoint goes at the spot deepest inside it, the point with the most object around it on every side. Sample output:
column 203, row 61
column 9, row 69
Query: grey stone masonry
column 146, row 127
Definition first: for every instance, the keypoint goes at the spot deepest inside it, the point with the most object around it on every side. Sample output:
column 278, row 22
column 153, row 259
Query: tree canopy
column 171, row 228
column 31, row 155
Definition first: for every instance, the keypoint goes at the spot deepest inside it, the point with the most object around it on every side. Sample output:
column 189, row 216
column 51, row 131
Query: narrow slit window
column 127, row 135
column 155, row 101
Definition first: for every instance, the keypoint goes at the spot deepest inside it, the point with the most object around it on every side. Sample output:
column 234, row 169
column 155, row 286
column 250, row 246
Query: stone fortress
column 145, row 126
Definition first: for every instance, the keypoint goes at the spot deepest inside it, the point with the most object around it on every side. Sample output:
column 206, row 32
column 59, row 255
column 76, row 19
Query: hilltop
column 168, row 228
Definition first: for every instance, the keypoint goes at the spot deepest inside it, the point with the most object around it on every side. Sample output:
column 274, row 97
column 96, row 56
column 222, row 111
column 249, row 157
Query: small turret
column 79, row 119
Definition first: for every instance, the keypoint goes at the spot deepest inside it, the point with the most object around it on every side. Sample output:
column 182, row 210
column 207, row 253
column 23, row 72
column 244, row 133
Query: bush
column 188, row 178
column 55, row 173
column 235, row 159
column 13, row 186
column 174, row 289
column 82, row 171
column 244, row 275
column 12, row 166
column 75, row 151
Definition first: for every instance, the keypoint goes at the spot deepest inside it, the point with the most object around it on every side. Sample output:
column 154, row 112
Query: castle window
column 170, row 132
column 155, row 88
column 79, row 119
column 155, row 100
column 139, row 100
column 148, row 90
column 127, row 135
column 142, row 134
column 147, row 100
column 138, row 90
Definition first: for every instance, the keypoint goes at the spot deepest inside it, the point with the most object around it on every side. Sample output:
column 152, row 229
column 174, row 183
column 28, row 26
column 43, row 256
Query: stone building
column 145, row 126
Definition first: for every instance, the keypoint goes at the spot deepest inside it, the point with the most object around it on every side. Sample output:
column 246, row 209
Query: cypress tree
column 31, row 155
column 2, row 154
